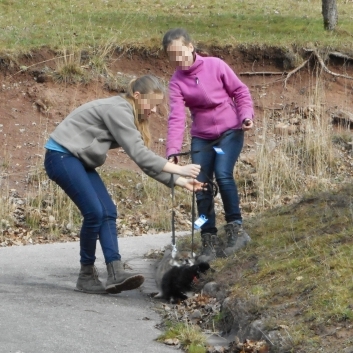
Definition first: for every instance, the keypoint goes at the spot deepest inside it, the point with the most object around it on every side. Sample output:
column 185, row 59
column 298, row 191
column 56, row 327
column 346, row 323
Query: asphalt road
column 41, row 312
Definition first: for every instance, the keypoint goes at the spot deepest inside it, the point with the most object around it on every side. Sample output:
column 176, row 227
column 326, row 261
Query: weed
column 68, row 68
column 190, row 337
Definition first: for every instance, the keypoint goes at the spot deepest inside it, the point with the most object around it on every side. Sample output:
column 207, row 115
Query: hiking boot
column 88, row 281
column 208, row 252
column 119, row 280
column 237, row 238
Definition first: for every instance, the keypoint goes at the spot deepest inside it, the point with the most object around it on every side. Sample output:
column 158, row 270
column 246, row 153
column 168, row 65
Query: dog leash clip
column 174, row 250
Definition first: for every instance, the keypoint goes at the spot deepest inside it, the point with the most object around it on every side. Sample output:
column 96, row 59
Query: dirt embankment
column 32, row 103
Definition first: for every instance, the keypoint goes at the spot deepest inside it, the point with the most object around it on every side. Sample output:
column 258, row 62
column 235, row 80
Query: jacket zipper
column 204, row 92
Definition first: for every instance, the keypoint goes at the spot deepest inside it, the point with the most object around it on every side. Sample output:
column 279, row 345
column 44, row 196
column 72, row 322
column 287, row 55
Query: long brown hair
column 145, row 85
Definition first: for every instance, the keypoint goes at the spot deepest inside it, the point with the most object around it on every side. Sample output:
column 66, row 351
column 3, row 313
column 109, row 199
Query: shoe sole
column 90, row 292
column 129, row 284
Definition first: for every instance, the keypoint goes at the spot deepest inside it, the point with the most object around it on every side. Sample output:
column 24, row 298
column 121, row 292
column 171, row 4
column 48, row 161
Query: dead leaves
column 248, row 346
column 198, row 310
column 202, row 310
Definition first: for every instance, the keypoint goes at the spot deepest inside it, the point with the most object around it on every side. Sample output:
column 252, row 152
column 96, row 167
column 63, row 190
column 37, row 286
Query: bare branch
column 327, row 70
column 294, row 71
column 264, row 73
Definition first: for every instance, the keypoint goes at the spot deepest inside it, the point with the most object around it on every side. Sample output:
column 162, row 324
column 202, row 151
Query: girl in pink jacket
column 221, row 110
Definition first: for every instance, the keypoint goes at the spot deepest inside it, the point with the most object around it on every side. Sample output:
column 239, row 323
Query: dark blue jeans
column 87, row 190
column 222, row 166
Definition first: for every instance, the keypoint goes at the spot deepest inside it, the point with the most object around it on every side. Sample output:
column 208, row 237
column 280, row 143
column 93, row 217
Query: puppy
column 179, row 280
column 169, row 261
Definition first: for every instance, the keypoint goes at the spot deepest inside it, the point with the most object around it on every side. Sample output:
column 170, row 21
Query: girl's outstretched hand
column 194, row 185
column 191, row 184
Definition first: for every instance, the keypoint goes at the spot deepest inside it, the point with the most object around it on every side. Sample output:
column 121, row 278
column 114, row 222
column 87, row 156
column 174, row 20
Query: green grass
column 300, row 261
column 190, row 337
column 86, row 23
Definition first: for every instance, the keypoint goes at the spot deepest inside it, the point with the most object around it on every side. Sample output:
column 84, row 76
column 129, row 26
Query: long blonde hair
column 145, row 85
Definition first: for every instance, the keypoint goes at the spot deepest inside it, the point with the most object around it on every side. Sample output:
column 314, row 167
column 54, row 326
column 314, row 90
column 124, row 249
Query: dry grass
column 68, row 67
column 293, row 164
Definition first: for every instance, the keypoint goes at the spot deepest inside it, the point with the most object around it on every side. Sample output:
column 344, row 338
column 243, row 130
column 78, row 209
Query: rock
column 211, row 289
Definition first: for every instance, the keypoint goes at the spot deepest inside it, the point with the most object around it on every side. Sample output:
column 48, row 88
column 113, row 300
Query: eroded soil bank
column 32, row 102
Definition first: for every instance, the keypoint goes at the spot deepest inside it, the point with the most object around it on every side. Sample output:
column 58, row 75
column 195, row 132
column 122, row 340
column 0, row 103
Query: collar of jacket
column 195, row 67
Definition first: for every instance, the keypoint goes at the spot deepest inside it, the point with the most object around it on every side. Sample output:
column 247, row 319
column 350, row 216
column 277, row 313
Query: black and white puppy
column 179, row 280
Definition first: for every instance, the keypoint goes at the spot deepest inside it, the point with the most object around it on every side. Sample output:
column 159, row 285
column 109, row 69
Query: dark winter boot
column 88, row 281
column 237, row 238
column 208, row 252
column 119, row 280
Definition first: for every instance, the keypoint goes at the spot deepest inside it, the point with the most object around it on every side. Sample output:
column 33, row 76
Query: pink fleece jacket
column 217, row 99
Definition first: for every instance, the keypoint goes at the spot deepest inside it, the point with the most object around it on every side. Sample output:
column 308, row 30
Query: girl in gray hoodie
column 80, row 143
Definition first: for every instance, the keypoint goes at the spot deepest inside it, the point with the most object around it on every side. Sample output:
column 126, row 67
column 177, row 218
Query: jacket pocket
column 95, row 154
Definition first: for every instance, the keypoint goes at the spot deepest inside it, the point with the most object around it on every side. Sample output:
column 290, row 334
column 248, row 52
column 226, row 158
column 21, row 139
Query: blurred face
column 147, row 104
column 180, row 55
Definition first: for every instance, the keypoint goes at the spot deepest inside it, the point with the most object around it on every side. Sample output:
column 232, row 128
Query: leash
column 174, row 248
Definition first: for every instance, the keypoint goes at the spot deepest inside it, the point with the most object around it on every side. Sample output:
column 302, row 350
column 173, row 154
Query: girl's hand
column 247, row 124
column 191, row 184
column 173, row 160
column 189, row 170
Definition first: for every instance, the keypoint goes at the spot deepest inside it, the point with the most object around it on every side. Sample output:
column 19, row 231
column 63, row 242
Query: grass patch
column 55, row 24
column 297, row 272
column 190, row 337
column 68, row 68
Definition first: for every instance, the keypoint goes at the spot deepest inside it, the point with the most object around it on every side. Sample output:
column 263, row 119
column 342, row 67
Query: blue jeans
column 222, row 166
column 87, row 190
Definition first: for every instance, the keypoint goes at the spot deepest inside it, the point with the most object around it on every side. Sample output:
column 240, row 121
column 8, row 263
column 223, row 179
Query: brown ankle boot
column 237, row 238
column 119, row 280
column 88, row 281
column 208, row 252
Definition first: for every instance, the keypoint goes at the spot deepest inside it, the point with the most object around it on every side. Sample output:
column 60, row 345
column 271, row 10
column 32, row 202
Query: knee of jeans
column 225, row 179
column 93, row 219
column 111, row 212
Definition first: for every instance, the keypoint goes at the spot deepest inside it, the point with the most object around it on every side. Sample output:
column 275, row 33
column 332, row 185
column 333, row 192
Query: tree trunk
column 329, row 11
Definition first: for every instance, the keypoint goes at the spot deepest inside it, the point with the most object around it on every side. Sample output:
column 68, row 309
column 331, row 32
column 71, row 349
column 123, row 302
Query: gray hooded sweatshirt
column 92, row 129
